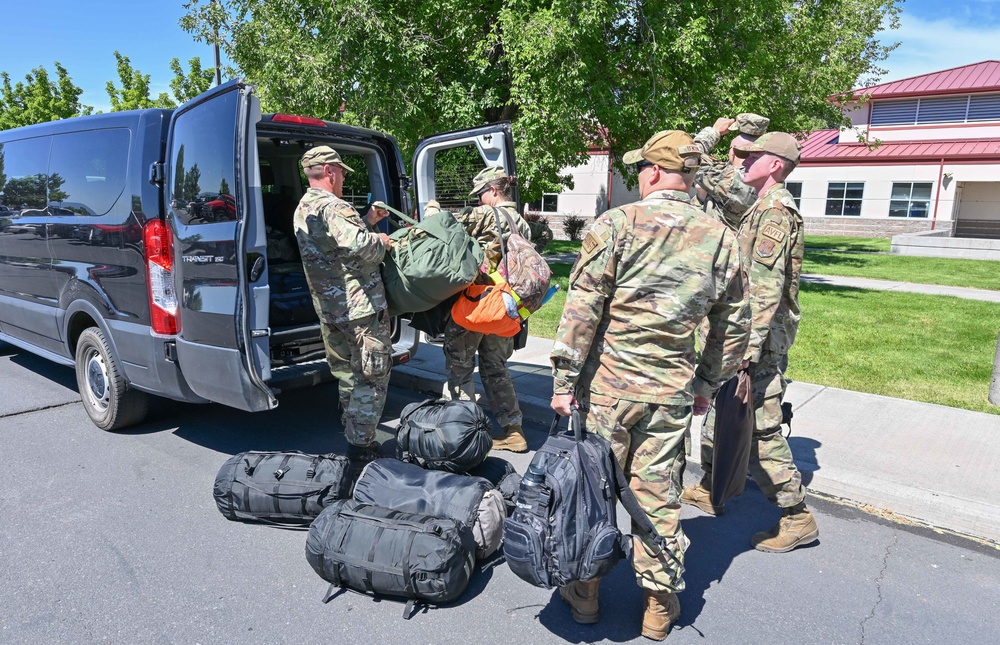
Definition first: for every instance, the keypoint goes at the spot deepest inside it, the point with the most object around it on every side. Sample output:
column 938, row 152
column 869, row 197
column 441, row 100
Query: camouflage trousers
column 771, row 463
column 460, row 349
column 360, row 356
column 648, row 440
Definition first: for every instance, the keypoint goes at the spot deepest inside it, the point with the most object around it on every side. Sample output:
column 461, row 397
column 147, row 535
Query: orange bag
column 487, row 309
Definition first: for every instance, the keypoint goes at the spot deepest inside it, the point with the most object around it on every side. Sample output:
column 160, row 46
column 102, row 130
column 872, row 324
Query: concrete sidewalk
column 930, row 463
column 910, row 287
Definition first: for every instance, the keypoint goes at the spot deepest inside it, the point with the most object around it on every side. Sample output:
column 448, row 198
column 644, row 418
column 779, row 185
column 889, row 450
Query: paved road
column 115, row 538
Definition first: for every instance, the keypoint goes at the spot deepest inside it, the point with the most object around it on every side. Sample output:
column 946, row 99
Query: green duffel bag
column 429, row 262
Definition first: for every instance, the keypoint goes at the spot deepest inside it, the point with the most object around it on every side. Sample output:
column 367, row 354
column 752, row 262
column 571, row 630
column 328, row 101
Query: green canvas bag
column 430, row 261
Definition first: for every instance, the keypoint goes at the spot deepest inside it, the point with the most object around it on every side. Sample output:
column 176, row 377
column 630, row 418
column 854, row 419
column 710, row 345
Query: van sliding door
column 219, row 270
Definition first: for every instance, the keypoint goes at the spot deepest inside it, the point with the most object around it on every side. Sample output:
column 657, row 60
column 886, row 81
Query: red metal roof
column 825, row 147
column 977, row 77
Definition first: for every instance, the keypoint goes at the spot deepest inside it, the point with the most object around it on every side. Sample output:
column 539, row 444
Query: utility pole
column 218, row 62
column 995, row 381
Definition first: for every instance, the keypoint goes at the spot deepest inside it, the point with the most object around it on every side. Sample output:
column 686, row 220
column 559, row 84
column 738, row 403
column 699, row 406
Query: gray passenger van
column 154, row 249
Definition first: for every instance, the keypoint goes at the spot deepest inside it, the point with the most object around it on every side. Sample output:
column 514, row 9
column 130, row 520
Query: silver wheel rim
column 98, row 383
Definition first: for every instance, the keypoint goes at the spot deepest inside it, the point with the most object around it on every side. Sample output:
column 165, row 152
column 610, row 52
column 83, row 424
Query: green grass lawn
column 935, row 349
column 562, row 246
column 845, row 243
column 981, row 274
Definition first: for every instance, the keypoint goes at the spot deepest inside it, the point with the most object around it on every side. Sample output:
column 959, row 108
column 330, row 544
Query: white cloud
column 928, row 45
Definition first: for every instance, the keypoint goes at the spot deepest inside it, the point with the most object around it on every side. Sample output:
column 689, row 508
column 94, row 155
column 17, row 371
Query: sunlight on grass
column 845, row 243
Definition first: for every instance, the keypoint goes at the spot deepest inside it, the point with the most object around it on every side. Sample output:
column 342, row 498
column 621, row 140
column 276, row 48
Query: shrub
column 574, row 225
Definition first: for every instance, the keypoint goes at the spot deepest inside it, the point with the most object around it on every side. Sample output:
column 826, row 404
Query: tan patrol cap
column 750, row 124
column 780, row 144
column 322, row 155
column 667, row 149
column 485, row 176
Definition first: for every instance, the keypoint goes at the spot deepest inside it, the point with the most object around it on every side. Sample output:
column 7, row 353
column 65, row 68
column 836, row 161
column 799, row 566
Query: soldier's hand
column 376, row 214
column 701, row 405
column 745, row 364
column 563, row 404
column 385, row 240
column 722, row 125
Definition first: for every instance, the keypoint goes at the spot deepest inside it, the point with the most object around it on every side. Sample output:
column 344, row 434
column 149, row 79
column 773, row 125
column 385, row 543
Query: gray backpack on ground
column 380, row 551
column 501, row 474
column 564, row 527
column 473, row 501
column 280, row 487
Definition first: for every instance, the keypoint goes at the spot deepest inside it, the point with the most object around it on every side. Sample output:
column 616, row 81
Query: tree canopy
column 569, row 73
column 134, row 92
column 38, row 98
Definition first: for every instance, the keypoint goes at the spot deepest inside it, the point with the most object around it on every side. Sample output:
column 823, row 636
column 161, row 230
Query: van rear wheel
column 110, row 403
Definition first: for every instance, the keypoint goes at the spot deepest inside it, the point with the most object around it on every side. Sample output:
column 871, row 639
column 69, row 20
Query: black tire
column 110, row 403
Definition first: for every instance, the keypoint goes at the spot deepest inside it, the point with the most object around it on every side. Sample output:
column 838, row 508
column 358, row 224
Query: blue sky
column 83, row 35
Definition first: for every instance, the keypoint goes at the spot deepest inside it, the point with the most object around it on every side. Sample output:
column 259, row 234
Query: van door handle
column 256, row 262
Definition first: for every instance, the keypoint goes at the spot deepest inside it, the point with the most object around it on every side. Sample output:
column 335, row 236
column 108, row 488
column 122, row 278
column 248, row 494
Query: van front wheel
column 110, row 403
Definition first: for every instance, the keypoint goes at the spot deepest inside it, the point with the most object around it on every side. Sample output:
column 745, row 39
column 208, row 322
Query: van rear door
column 444, row 164
column 212, row 198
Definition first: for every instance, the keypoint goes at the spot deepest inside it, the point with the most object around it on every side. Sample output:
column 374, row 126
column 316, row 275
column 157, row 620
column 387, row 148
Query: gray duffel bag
column 472, row 501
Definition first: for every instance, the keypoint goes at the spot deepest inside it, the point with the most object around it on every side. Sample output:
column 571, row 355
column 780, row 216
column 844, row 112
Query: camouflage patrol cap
column 780, row 144
column 485, row 176
column 667, row 149
column 750, row 124
column 322, row 155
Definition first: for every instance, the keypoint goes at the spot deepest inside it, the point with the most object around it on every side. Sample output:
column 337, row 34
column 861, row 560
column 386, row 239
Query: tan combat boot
column 512, row 439
column 663, row 608
column 796, row 527
column 582, row 600
column 700, row 496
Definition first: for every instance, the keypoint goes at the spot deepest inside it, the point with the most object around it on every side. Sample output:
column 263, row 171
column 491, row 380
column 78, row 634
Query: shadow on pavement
column 804, row 453
column 59, row 374
column 621, row 612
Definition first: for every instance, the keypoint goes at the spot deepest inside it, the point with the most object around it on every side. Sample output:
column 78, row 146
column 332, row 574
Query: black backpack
column 563, row 527
column 375, row 550
column 444, row 435
column 280, row 487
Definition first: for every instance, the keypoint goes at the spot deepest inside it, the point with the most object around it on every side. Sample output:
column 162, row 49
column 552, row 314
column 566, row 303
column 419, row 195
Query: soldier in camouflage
column 648, row 273
column 494, row 188
column 773, row 233
column 341, row 255
column 720, row 190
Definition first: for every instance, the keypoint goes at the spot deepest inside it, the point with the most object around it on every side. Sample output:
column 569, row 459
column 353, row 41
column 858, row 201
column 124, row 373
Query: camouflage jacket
column 481, row 224
column 722, row 193
column 341, row 256
column 772, row 235
column 648, row 273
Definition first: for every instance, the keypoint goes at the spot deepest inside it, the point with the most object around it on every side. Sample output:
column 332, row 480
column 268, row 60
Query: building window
column 844, row 198
column 795, row 188
column 550, row 202
column 947, row 109
column 910, row 200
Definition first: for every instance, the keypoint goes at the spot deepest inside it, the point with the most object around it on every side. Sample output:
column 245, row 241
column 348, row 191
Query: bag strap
column 574, row 424
column 399, row 214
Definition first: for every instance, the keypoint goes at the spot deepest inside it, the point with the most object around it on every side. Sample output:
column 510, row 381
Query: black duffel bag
column 504, row 478
column 444, row 435
column 281, row 487
column 384, row 552
column 473, row 501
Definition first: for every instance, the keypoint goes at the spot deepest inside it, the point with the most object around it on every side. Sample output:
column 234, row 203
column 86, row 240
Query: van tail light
column 158, row 242
column 298, row 120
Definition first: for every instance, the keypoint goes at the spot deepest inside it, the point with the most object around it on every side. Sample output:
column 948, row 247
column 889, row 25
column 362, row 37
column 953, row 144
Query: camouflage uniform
column 341, row 257
column 461, row 345
column 773, row 235
column 727, row 197
column 647, row 274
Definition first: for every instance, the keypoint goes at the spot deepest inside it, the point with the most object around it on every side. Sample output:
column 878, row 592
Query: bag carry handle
column 574, row 424
column 399, row 214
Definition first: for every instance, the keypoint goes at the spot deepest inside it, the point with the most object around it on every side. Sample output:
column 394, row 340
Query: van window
column 454, row 169
column 87, row 171
column 23, row 175
column 202, row 163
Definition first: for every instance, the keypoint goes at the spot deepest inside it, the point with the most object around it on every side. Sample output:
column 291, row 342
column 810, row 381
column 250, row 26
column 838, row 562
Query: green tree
column 568, row 73
column 224, row 187
column 134, row 93
column 197, row 80
column 39, row 99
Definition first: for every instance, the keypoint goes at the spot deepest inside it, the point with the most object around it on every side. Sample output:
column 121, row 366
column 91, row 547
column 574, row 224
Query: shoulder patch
column 593, row 242
column 774, row 232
